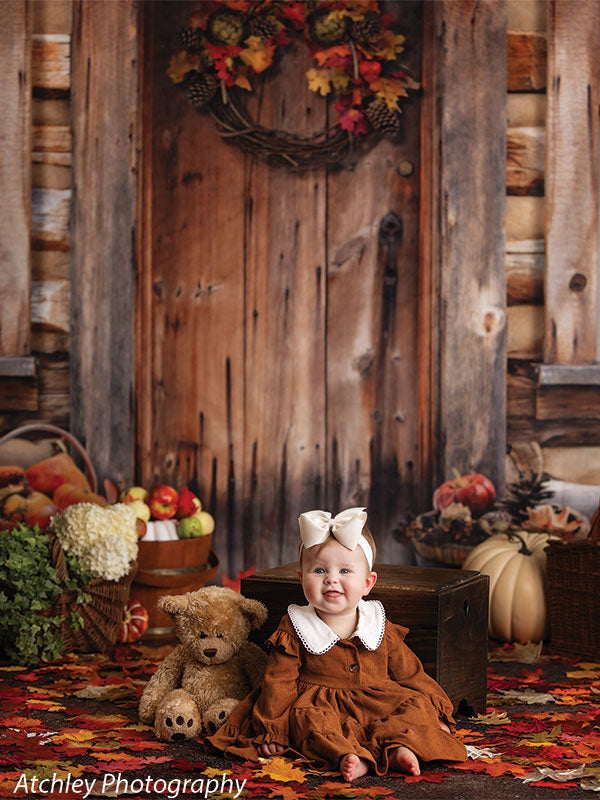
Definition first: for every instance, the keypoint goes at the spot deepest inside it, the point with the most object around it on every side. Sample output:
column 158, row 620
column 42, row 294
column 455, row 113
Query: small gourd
column 516, row 564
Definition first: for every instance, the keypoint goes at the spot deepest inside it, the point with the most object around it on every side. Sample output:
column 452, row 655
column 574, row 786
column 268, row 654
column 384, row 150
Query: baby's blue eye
column 319, row 570
column 345, row 571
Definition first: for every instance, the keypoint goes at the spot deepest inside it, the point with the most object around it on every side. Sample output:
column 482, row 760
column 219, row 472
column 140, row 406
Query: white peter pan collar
column 317, row 637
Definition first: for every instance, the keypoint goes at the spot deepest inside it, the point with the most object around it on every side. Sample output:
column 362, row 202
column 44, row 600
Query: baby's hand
column 270, row 749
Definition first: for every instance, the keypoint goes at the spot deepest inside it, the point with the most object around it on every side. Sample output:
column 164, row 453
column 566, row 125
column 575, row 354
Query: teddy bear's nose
column 210, row 652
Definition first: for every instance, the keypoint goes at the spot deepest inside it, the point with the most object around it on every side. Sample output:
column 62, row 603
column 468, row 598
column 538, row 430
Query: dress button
column 353, row 667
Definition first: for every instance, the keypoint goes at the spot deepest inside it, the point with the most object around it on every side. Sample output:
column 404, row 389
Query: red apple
column 163, row 502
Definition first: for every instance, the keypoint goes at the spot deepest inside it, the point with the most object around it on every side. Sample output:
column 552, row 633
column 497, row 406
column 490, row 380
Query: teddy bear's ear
column 254, row 610
column 172, row 604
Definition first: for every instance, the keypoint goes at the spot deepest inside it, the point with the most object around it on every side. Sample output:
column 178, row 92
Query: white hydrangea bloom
column 104, row 539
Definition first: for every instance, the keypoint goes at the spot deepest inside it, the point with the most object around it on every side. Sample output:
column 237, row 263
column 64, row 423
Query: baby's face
column 334, row 579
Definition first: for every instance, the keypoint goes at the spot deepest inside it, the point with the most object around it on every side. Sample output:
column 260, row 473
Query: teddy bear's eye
column 219, row 635
column 202, row 635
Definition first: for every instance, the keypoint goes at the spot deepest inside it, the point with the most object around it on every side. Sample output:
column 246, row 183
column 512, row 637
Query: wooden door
column 277, row 337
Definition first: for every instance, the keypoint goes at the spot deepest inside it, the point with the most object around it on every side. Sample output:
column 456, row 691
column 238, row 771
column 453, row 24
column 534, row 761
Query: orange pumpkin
column 33, row 508
column 67, row 494
column 47, row 475
column 10, row 475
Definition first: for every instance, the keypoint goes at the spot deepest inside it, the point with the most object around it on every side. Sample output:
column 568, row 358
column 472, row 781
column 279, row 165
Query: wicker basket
column 573, row 594
column 103, row 614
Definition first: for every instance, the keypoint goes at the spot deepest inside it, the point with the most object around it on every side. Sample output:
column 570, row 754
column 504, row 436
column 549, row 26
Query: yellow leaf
column 389, row 89
column 360, row 8
column 495, row 718
column 105, row 692
column 180, row 64
column 389, row 45
column 321, row 80
column 75, row 736
column 281, row 769
column 47, row 705
column 318, row 81
column 241, row 80
column 257, row 54
column 113, row 756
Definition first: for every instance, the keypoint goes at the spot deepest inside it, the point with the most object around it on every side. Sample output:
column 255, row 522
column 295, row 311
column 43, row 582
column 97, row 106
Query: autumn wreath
column 356, row 51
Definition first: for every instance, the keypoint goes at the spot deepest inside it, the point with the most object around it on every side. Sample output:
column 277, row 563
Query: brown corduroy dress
column 349, row 699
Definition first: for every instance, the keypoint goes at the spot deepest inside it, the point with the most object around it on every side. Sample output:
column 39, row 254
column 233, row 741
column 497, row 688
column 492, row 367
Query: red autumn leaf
column 430, row 777
column 369, row 70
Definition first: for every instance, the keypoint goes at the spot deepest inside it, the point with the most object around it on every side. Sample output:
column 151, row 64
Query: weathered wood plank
column 554, row 433
column 525, row 332
column 50, row 305
column 18, row 394
column 525, row 246
column 572, row 182
column 49, row 342
column 50, row 219
column 472, row 59
column 564, row 402
column 575, row 465
column 569, row 374
column 285, row 342
column 372, row 327
column 526, row 15
column 17, row 367
column 53, row 16
column 525, row 153
column 526, row 61
column 51, row 63
column 191, row 341
column 52, row 145
column 15, row 134
column 105, row 97
column 525, row 278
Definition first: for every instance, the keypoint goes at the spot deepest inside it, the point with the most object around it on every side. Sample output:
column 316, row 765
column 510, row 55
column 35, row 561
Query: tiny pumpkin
column 47, row 475
column 67, row 494
column 31, row 507
column 516, row 564
column 134, row 623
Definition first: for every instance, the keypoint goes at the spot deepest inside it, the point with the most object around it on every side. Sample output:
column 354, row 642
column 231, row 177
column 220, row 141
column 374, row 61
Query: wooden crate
column 445, row 609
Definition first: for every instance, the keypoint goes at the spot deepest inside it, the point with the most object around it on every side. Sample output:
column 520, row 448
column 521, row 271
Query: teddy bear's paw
column 177, row 718
column 218, row 713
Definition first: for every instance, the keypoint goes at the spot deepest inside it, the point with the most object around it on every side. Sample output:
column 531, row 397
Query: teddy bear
column 213, row 667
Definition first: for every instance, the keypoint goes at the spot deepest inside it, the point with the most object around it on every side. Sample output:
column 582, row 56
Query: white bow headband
column 346, row 528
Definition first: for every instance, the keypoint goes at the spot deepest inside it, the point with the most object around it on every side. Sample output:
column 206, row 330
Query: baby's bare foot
column 444, row 727
column 270, row 749
column 405, row 760
column 352, row 767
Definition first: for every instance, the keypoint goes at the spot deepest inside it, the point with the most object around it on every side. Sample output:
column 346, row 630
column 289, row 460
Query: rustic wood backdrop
column 279, row 359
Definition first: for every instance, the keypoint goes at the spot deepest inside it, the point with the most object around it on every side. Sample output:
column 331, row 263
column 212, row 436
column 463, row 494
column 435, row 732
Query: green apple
column 189, row 528
column 134, row 493
column 206, row 520
column 142, row 510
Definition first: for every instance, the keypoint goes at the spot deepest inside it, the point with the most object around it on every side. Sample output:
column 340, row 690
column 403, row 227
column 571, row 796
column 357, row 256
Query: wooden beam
column 568, row 374
column 526, row 62
column 52, row 61
column 24, row 367
column 469, row 43
column 571, row 223
column 104, row 99
column 50, row 219
column 15, row 175
column 525, row 150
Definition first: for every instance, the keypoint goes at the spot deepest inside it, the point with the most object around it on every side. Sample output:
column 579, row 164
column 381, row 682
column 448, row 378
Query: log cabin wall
column 36, row 388
column 552, row 397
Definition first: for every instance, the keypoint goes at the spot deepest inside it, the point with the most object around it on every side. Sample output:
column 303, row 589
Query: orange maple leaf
column 281, row 769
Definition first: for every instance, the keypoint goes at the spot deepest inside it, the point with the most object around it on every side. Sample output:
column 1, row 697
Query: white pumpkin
column 516, row 564
column 160, row 530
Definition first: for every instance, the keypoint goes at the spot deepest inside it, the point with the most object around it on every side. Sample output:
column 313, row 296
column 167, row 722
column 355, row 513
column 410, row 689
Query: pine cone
column 529, row 491
column 190, row 38
column 264, row 26
column 201, row 90
column 381, row 118
column 367, row 29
